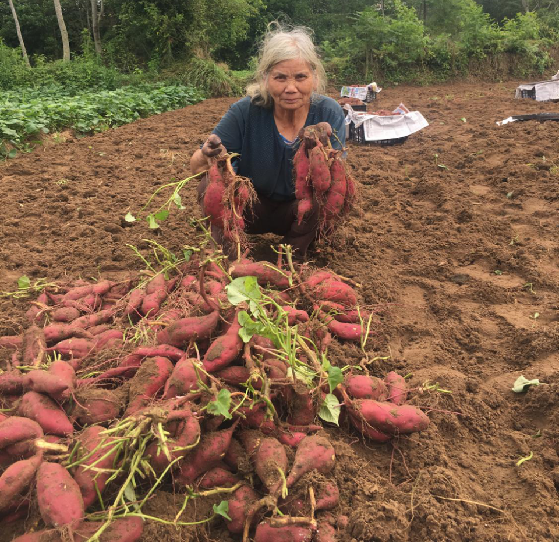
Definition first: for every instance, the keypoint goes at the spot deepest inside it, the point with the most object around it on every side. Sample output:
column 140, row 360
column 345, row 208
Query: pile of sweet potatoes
column 212, row 396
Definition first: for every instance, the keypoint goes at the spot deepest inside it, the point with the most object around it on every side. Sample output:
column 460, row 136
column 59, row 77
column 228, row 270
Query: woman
column 263, row 129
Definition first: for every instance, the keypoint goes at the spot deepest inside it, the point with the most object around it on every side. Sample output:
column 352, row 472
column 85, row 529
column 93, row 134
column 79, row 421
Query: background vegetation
column 69, row 69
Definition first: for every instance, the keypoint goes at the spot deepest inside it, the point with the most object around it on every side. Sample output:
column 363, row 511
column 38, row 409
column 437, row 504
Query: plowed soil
column 456, row 243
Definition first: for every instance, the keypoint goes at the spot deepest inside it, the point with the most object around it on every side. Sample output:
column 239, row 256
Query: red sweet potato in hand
column 238, row 507
column 58, row 495
column 365, row 387
column 213, row 200
column 186, row 329
column 17, row 477
column 206, row 455
column 271, row 464
column 313, row 453
column 304, row 207
column 396, row 385
column 319, row 173
column 46, row 413
column 287, row 533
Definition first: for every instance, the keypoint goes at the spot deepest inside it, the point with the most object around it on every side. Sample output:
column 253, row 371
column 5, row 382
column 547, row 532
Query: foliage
column 212, row 78
column 26, row 112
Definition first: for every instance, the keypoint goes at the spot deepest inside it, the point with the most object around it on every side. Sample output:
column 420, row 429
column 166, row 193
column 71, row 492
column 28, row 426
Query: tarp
column 378, row 127
column 544, row 90
column 359, row 92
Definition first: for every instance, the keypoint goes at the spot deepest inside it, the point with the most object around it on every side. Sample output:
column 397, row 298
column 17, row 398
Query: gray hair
column 281, row 44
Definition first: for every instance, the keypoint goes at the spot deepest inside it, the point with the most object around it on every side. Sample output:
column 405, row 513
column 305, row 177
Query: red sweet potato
column 65, row 314
column 389, row 418
column 18, row 428
column 45, row 382
column 17, row 477
column 206, row 455
column 34, row 346
column 287, row 533
column 36, row 313
column 187, row 329
column 183, row 379
column 367, row 430
column 46, row 413
column 184, row 429
column 300, row 404
column 94, row 319
column 156, row 293
column 213, row 200
column 295, row 315
column 313, row 453
column 134, row 303
column 11, row 382
column 291, row 438
column 11, row 341
column 304, row 207
column 365, row 387
column 217, row 477
column 326, row 498
column 325, row 532
column 102, row 457
column 148, row 381
column 319, row 173
column 58, row 495
column 96, row 406
column 337, row 291
column 127, row 529
column 334, row 203
column 265, row 272
column 271, row 464
column 236, row 457
column 75, row 348
column 396, row 385
column 58, row 332
column 237, row 375
column 238, row 507
column 225, row 349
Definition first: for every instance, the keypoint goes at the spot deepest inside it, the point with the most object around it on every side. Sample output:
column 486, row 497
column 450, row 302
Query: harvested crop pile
column 203, row 380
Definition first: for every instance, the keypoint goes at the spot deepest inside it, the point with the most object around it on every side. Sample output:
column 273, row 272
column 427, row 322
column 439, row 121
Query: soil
column 456, row 244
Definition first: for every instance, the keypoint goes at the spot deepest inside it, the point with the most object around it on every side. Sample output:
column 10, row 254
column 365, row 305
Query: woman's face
column 291, row 83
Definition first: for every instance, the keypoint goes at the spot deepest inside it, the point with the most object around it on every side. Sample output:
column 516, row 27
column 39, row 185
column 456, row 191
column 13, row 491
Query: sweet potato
column 148, row 381
column 255, row 416
column 101, row 458
column 156, row 293
column 185, row 432
column 213, row 200
column 11, row 382
column 237, row 375
column 96, row 406
column 337, row 291
column 46, row 413
column 236, row 458
column 75, row 348
column 132, row 309
column 225, row 349
column 287, row 533
column 18, row 428
column 206, row 455
column 396, row 385
column 11, row 341
column 291, row 438
column 304, row 207
column 334, row 202
column 295, row 315
column 65, row 314
column 389, row 418
column 313, row 453
column 45, row 382
column 217, row 477
column 187, row 329
column 94, row 319
column 58, row 332
column 300, row 404
column 326, row 498
column 58, row 495
column 325, row 532
column 17, row 477
column 271, row 464
column 365, row 387
column 265, row 272
column 34, row 346
column 183, row 379
column 238, row 507
column 127, row 529
column 319, row 173
column 301, row 174
column 36, row 313
column 367, row 430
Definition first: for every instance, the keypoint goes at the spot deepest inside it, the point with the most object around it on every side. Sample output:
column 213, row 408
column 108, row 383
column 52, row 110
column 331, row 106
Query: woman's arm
column 212, row 147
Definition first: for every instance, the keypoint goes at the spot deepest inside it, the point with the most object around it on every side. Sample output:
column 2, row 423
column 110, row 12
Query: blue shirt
column 266, row 157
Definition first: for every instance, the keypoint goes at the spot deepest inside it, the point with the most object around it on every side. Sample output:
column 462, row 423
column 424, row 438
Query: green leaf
column 243, row 289
column 23, row 282
column 187, row 255
column 162, row 215
column 522, row 384
column 129, row 493
column 222, row 404
column 248, row 326
column 152, row 224
column 222, row 509
column 335, row 377
column 463, row 119
column 178, row 201
column 129, row 217
column 12, row 153
column 330, row 409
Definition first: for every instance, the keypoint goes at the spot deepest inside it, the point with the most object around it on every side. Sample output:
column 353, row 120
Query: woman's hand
column 213, row 147
column 200, row 160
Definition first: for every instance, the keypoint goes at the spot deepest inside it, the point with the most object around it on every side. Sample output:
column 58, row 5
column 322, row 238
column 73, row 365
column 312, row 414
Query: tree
column 63, row 31
column 18, row 30
column 95, row 27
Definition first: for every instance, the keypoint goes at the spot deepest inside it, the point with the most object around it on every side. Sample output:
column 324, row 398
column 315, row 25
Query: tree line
column 395, row 39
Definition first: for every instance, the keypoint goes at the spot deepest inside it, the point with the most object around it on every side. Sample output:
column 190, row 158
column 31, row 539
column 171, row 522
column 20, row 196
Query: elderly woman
column 263, row 129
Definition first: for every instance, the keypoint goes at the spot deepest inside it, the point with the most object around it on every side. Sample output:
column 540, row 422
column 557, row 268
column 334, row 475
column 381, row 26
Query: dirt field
column 457, row 242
